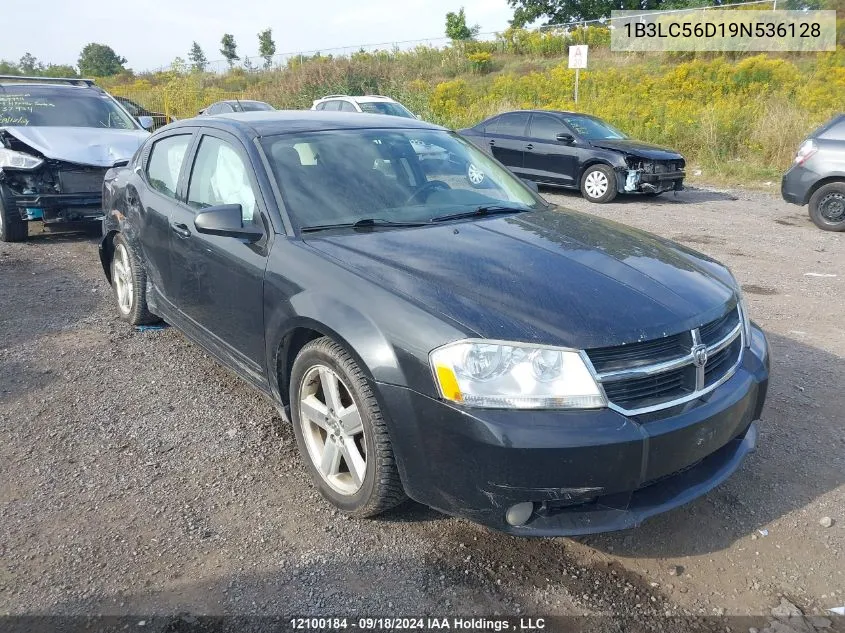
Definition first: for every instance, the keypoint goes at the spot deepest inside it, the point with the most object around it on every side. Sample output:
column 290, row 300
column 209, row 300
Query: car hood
column 637, row 148
column 561, row 278
column 99, row 147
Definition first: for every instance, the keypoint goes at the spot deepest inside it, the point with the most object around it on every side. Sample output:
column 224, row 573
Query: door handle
column 180, row 229
column 492, row 142
column 529, row 146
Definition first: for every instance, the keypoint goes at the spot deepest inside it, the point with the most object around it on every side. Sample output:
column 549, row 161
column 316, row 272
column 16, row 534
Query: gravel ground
column 137, row 476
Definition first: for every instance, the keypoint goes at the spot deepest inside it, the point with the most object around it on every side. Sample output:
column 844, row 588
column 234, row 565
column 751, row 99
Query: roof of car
column 266, row 123
column 361, row 98
column 52, row 86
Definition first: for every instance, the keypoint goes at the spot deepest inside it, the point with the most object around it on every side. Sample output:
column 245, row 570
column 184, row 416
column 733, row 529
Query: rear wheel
column 13, row 227
column 827, row 207
column 341, row 433
column 129, row 283
column 598, row 184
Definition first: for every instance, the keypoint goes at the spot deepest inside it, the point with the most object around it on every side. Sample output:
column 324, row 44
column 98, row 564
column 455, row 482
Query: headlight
column 502, row 375
column 18, row 160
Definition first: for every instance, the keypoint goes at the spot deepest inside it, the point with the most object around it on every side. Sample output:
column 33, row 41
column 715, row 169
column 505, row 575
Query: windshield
column 61, row 106
column 386, row 107
column 592, row 129
column 345, row 176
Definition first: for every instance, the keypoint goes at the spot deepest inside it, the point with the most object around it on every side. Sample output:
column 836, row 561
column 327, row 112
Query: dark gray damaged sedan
column 534, row 369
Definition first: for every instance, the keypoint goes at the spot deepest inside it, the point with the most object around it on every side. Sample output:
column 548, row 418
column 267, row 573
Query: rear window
column 61, row 106
column 385, row 107
column 833, row 130
column 255, row 106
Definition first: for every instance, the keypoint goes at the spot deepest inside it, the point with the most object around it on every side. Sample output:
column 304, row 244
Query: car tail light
column 807, row 149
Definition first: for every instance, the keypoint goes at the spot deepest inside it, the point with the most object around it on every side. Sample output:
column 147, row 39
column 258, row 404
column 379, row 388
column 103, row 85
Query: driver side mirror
column 564, row 137
column 146, row 122
column 226, row 220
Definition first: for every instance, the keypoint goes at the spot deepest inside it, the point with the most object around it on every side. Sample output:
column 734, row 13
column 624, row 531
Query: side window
column 321, row 105
column 220, row 176
column 165, row 163
column 512, row 124
column 332, row 106
column 545, row 127
column 492, row 126
column 345, row 106
column 225, row 107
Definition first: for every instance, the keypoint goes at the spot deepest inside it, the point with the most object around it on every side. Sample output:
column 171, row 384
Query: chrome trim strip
column 645, row 370
column 675, row 363
column 718, row 346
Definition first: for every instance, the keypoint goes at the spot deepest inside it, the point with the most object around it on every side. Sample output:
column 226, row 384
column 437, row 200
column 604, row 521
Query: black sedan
column 538, row 370
column 576, row 151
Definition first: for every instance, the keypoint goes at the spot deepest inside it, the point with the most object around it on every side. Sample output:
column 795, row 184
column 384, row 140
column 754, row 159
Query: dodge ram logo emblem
column 699, row 355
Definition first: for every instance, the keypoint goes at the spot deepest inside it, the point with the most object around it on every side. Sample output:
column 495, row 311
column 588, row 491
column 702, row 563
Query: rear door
column 220, row 280
column 506, row 138
column 546, row 158
column 163, row 173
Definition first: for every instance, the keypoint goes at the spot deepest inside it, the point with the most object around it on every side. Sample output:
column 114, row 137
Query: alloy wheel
column 595, row 184
column 832, row 207
column 332, row 429
column 122, row 277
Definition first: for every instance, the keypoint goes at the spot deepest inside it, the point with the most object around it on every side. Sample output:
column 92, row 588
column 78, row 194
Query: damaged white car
column 58, row 137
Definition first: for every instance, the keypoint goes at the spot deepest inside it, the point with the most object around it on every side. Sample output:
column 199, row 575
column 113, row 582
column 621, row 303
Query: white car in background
column 379, row 104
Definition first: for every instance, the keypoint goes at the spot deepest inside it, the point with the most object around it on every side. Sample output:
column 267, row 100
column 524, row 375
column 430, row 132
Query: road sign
column 578, row 56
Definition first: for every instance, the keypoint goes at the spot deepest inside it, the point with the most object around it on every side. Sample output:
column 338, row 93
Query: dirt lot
column 137, row 476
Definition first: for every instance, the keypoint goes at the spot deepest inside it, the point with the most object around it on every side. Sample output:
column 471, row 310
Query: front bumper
column 796, row 184
column 637, row 180
column 60, row 207
column 585, row 471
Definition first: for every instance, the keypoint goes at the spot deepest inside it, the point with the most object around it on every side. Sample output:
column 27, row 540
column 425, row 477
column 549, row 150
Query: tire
column 129, row 284
column 13, row 228
column 377, row 487
column 827, row 207
column 475, row 176
column 598, row 184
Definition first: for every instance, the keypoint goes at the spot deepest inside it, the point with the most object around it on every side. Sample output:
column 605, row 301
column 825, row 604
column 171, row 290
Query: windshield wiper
column 479, row 211
column 366, row 223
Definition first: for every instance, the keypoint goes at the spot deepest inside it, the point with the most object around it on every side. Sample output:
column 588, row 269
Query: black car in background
column 817, row 176
column 541, row 371
column 160, row 119
column 236, row 105
column 576, row 151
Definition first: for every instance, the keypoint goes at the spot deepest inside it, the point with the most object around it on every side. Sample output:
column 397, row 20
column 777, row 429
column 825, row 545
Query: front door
column 546, row 158
column 221, row 279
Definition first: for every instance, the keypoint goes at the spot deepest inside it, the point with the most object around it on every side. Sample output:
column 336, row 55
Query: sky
column 150, row 35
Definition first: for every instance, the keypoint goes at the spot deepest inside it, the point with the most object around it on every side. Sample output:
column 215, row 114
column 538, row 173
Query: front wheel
column 598, row 184
column 13, row 227
column 827, row 207
column 341, row 433
column 475, row 176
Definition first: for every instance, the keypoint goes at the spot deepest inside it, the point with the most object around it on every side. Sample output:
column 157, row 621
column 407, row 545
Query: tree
column 457, row 29
column 266, row 46
column 58, row 70
column 565, row 11
column 229, row 49
column 99, row 60
column 197, row 58
column 29, row 65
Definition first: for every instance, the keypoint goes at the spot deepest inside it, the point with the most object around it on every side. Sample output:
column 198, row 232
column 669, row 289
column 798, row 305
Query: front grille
column 650, row 375
column 82, row 180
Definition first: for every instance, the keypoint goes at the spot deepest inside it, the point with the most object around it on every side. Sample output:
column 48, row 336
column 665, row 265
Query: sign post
column 578, row 60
